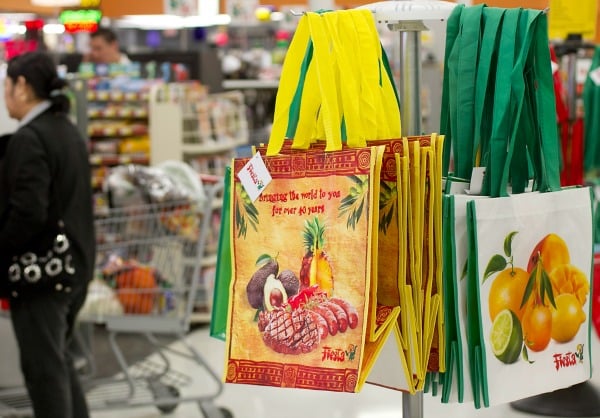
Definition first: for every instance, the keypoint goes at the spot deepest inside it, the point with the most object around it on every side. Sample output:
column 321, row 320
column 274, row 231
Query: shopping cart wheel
column 210, row 410
column 162, row 391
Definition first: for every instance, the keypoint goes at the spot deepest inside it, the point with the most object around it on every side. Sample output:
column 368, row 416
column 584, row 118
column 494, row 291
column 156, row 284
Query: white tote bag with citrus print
column 529, row 281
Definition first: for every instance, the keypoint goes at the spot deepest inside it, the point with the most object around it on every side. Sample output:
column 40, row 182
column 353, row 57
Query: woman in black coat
column 45, row 178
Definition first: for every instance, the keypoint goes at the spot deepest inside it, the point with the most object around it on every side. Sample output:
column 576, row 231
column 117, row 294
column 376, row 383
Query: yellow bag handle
column 387, row 111
column 288, row 86
column 344, row 40
column 317, row 71
column 327, row 119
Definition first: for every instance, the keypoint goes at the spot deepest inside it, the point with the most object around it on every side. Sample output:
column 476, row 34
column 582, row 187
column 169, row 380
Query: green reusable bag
column 475, row 51
column 218, row 321
column 514, row 351
column 591, row 105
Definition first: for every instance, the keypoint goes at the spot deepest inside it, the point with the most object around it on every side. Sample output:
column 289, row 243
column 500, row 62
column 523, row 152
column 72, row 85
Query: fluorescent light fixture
column 56, row 3
column 171, row 21
column 54, row 28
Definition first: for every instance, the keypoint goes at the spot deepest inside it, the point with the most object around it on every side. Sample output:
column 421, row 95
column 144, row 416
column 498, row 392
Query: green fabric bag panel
column 474, row 332
column 450, row 288
column 591, row 106
column 220, row 307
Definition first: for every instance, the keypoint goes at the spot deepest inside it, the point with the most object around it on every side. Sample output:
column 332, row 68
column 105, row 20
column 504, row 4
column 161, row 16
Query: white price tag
column 595, row 76
column 476, row 181
column 255, row 176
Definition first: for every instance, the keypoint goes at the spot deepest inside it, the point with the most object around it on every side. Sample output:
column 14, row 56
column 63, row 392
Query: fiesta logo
column 339, row 354
column 569, row 359
column 257, row 181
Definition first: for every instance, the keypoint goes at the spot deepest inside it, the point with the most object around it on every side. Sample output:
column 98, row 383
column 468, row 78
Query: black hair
column 105, row 33
column 39, row 71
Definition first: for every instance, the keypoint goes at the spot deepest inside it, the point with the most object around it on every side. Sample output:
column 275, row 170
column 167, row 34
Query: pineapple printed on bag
column 316, row 266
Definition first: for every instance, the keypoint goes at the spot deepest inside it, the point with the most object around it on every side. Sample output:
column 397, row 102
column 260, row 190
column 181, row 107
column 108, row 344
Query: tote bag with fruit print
column 303, row 257
column 530, row 254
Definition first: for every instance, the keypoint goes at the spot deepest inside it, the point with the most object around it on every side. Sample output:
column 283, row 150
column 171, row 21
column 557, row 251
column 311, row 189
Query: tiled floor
column 262, row 402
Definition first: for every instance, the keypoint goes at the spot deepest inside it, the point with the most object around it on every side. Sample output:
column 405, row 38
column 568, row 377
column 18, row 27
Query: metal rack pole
column 410, row 82
column 406, row 17
column 410, row 100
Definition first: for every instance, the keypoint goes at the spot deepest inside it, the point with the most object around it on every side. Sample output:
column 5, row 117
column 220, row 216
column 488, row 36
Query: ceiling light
column 171, row 21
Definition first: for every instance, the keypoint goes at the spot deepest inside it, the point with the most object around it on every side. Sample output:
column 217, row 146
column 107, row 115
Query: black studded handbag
column 33, row 272
column 48, row 266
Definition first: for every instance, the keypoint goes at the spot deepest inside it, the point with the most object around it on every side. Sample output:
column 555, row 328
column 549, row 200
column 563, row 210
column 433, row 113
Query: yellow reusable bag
column 302, row 260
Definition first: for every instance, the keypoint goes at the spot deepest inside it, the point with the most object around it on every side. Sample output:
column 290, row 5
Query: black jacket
column 45, row 174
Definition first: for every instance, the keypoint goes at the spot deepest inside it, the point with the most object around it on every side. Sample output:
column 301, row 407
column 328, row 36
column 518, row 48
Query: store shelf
column 116, row 96
column 250, row 84
column 117, row 131
column 211, row 148
column 118, row 112
column 111, row 160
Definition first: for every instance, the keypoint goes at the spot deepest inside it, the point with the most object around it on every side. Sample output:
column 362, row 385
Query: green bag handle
column 223, row 272
column 533, row 111
column 492, row 17
column 517, row 167
column 452, row 32
column 499, row 138
column 463, row 111
column 546, row 109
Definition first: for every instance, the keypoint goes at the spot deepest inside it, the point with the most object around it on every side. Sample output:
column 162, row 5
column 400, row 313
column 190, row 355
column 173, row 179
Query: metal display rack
column 407, row 17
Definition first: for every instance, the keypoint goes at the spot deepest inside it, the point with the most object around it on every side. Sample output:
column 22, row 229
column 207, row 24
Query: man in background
column 104, row 48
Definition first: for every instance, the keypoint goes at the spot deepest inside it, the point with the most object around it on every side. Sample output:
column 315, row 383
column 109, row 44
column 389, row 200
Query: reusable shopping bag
column 218, row 319
column 530, row 254
column 303, row 265
column 519, row 341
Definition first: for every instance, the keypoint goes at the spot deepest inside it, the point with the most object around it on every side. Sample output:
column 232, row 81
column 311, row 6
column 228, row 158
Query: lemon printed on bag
column 506, row 337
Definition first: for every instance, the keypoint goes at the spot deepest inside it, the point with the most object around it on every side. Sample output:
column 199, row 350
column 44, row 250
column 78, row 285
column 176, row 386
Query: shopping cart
column 148, row 268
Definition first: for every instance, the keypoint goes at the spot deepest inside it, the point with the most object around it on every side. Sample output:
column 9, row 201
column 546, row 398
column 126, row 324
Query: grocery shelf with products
column 204, row 130
column 117, row 127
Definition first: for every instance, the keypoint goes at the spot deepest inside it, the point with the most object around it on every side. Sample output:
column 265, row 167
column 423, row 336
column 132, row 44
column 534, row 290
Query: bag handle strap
column 535, row 110
column 517, row 163
column 452, row 32
column 493, row 18
column 499, row 139
column 320, row 98
column 463, row 108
